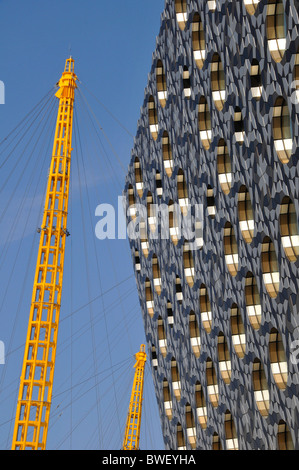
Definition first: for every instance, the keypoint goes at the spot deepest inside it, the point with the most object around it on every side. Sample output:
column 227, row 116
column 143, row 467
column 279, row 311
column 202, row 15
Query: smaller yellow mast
column 132, row 431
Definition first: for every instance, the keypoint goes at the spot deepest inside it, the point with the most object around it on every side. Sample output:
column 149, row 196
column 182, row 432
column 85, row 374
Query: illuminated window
column 212, row 5
column 143, row 238
column 278, row 360
column 181, row 13
column 180, row 438
column 153, row 118
column 138, row 177
column 170, row 317
column 224, row 359
column 149, row 298
column 251, row 5
column 282, row 130
column 159, row 187
column 284, row 438
column 216, row 442
column 224, row 167
column 162, row 337
column 194, row 334
column 201, row 407
column 212, row 385
column 270, row 267
column 238, row 331
column 198, row 41
column 151, row 214
column 137, row 260
column 246, row 218
column 218, row 82
column 276, row 29
column 156, row 275
column 289, row 229
column 253, row 301
column 186, row 82
column 239, row 125
column 231, row 438
column 205, row 308
column 167, row 400
column 256, row 80
column 211, row 207
column 190, row 425
column 174, row 227
column 260, row 386
column 132, row 202
column 167, row 154
column 175, row 377
column 188, row 264
column 154, row 358
column 182, row 192
column 178, row 290
column 161, row 83
column 230, row 249
column 204, row 123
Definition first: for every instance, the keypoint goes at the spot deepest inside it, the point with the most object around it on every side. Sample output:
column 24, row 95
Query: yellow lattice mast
column 132, row 431
column 36, row 382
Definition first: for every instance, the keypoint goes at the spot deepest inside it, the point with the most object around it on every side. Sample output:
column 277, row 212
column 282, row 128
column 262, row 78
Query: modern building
column 219, row 131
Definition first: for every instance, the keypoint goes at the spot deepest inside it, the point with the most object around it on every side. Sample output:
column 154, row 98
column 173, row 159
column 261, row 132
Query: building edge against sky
column 219, row 128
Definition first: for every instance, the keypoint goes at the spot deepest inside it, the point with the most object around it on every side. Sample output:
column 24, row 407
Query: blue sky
column 101, row 325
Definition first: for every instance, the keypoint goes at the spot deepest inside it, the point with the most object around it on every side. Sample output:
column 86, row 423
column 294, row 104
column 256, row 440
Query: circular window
column 256, row 80
column 161, row 83
column 224, row 167
column 253, row 301
column 204, row 123
column 246, row 218
column 198, row 41
column 282, row 130
column 218, row 82
column 276, row 29
column 289, row 229
column 230, row 249
column 260, row 386
column 270, row 267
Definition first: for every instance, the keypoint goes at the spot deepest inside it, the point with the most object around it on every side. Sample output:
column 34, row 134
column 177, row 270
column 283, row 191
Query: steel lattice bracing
column 132, row 431
column 36, row 382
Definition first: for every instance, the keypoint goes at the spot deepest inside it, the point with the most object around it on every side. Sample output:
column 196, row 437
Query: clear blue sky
column 101, row 325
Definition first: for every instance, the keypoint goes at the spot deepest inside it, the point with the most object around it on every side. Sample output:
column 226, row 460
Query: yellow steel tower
column 132, row 431
column 36, row 382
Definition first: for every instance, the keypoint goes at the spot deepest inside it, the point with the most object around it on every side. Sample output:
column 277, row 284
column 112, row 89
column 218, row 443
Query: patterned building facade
column 219, row 130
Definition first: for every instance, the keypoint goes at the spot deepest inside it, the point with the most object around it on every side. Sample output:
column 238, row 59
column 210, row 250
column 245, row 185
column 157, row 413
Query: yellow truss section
column 36, row 381
column 132, row 431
